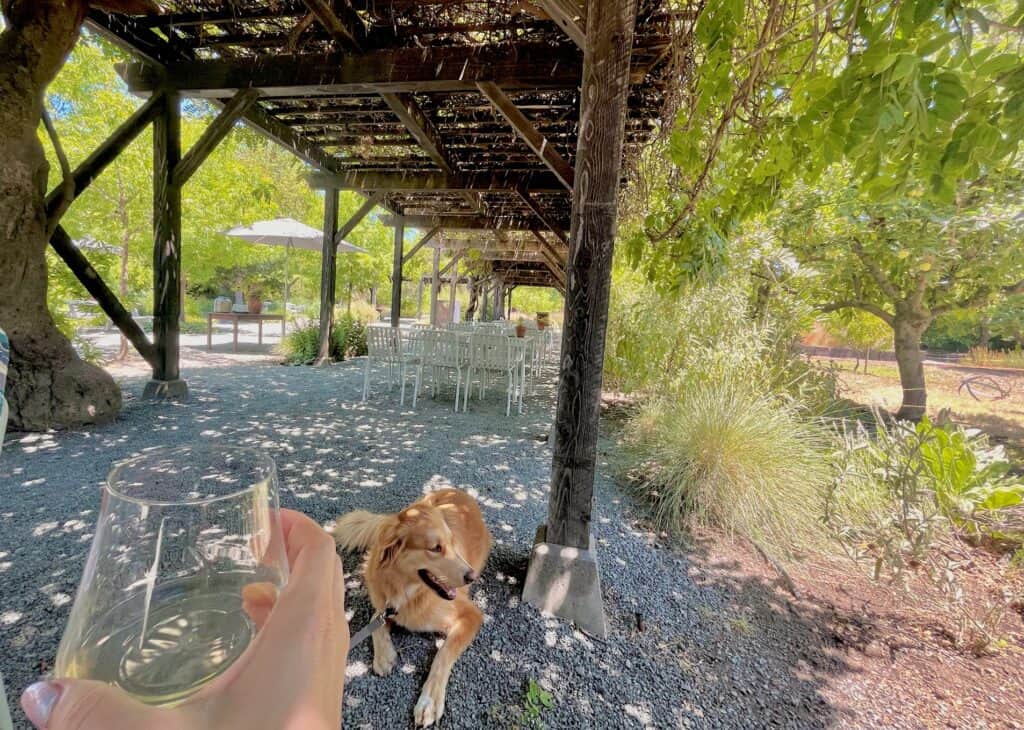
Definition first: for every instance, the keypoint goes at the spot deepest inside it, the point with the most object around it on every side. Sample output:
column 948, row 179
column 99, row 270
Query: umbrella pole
column 284, row 313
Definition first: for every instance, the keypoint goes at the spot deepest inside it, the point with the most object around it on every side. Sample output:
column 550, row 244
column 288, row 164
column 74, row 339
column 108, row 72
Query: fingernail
column 38, row 701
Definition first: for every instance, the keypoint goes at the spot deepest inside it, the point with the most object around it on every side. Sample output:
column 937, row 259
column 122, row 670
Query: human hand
column 291, row 676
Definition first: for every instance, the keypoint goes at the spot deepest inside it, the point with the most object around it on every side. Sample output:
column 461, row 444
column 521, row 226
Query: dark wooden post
column 328, row 275
column 435, row 285
column 396, row 273
column 166, row 382
column 603, row 105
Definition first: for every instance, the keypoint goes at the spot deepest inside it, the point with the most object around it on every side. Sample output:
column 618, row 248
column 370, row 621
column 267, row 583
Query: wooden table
column 235, row 318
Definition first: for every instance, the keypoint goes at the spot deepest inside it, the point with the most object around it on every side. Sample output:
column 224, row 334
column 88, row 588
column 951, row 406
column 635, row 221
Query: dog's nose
column 471, row 576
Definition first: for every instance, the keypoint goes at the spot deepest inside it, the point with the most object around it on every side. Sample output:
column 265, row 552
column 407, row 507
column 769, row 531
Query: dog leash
column 375, row 623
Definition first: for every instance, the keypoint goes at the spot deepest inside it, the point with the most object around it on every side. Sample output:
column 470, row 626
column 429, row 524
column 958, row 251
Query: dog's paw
column 384, row 661
column 429, row 708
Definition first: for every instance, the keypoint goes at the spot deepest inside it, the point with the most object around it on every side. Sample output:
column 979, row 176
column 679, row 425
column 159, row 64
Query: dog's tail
column 356, row 530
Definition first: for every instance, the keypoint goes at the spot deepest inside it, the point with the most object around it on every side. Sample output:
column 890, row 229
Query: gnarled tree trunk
column 908, row 327
column 49, row 386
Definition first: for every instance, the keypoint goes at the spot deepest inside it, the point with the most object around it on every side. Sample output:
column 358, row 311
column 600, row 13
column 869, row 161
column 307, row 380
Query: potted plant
column 543, row 320
column 255, row 301
column 521, row 327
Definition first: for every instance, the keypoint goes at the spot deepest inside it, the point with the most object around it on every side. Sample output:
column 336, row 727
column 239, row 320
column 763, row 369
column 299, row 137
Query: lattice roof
column 384, row 95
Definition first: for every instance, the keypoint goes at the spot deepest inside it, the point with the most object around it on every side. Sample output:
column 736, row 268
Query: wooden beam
column 547, row 247
column 568, row 16
column 542, row 216
column 529, row 134
column 357, row 217
column 104, row 296
column 454, row 260
column 435, row 285
column 396, row 274
column 432, row 69
column 440, row 182
column 213, row 134
column 328, row 276
column 604, row 102
column 469, row 222
column 97, row 162
column 166, row 241
column 422, row 129
column 285, row 136
column 337, row 29
column 422, row 242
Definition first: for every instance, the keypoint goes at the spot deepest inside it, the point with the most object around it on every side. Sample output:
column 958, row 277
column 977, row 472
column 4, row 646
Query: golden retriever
column 420, row 563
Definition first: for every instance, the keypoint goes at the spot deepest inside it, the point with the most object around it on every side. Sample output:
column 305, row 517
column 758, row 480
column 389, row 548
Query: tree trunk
column 907, row 332
column 49, row 386
column 474, row 298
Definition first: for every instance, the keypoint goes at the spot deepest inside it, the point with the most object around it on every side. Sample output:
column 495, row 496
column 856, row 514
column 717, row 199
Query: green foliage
column 1007, row 320
column 858, row 330
column 956, row 331
column 911, row 97
column 719, row 451
column 535, row 702
column 966, row 488
column 900, row 496
column 302, row 345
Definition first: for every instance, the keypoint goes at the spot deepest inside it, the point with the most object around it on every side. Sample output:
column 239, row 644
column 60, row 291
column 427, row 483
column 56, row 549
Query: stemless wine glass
column 181, row 533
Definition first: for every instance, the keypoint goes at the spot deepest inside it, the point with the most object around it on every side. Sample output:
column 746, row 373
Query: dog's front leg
column 430, row 705
column 384, row 654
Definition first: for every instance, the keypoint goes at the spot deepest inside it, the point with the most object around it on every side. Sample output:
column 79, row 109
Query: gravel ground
column 692, row 643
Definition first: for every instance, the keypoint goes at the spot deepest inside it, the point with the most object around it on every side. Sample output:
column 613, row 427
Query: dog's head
column 419, row 545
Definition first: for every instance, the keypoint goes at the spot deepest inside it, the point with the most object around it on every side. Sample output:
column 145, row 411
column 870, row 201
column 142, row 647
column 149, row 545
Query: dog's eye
column 437, row 548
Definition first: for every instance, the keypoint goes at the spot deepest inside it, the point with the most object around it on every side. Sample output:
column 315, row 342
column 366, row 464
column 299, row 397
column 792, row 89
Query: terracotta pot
column 520, row 330
column 255, row 304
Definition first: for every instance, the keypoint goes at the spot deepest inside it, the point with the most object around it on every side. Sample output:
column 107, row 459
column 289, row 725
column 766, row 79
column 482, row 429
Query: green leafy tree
column 859, row 330
column 907, row 262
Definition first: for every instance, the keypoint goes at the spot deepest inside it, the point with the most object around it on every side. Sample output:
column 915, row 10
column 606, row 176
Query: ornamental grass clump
column 717, row 452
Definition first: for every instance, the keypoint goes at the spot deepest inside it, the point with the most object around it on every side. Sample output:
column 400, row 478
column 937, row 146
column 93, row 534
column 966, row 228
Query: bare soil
column 901, row 666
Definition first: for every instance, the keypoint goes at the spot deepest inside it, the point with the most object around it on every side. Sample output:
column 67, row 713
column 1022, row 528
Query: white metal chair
column 442, row 352
column 489, row 355
column 410, row 355
column 381, row 347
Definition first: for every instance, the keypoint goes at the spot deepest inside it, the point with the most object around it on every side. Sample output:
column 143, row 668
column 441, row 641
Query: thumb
column 73, row 704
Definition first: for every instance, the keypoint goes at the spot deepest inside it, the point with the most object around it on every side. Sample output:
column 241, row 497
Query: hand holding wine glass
column 291, row 676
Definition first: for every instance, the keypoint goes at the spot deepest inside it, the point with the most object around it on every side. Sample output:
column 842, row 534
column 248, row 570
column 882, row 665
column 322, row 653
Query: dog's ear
column 392, row 539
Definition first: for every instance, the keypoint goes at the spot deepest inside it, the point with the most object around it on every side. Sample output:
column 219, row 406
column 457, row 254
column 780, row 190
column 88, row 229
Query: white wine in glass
column 180, row 535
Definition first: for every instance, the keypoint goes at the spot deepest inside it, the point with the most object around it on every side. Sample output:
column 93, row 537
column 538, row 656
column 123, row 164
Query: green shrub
column 302, row 345
column 356, row 340
column 719, row 452
column 899, row 499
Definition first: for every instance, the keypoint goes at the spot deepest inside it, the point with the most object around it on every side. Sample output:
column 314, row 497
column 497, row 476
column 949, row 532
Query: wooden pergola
column 497, row 126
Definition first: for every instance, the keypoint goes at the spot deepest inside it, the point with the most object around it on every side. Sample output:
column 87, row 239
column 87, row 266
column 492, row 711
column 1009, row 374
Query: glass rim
column 266, row 464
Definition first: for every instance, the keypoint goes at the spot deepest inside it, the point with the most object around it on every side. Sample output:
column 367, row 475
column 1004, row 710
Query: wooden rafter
column 427, row 238
column 569, row 16
column 357, row 217
column 542, row 215
column 422, row 129
column 467, row 222
column 97, row 162
column 213, row 134
column 436, row 182
column 528, row 132
column 443, row 69
column 340, row 31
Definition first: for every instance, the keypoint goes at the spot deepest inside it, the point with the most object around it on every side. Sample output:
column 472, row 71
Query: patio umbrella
column 289, row 233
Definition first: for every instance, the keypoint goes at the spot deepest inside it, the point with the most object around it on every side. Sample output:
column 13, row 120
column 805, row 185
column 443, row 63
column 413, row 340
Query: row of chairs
column 472, row 358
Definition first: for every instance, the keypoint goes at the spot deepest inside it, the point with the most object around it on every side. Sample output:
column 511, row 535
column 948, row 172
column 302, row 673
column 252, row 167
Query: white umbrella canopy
column 289, row 233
